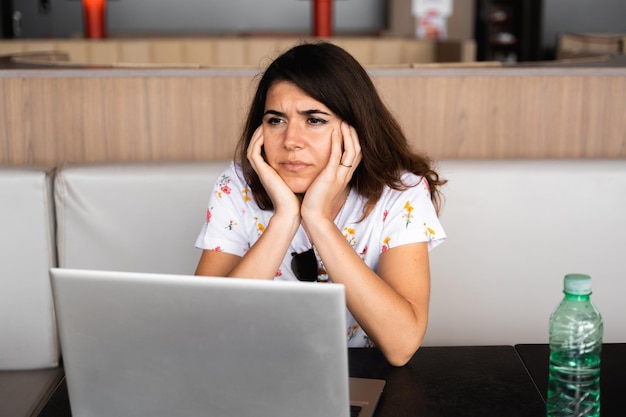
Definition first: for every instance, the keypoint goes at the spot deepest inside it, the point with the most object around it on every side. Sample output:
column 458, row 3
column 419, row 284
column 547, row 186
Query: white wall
column 589, row 16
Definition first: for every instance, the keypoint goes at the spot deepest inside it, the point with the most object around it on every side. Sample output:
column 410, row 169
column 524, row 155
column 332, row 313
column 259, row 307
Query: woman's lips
column 294, row 166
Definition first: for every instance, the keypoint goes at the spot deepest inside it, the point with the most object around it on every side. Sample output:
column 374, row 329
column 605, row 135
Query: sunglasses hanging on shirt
column 306, row 268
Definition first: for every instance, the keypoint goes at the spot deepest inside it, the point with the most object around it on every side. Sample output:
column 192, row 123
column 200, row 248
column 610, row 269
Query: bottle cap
column 577, row 284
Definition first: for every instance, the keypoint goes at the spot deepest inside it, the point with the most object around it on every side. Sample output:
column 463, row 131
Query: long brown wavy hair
column 330, row 75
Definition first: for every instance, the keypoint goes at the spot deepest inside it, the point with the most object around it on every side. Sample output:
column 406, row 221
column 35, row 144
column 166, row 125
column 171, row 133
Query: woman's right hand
column 285, row 201
column 263, row 259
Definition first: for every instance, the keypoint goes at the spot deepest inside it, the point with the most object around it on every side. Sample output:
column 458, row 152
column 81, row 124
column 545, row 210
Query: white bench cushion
column 515, row 228
column 132, row 217
column 27, row 325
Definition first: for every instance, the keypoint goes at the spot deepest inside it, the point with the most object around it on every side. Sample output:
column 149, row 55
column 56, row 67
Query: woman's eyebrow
column 274, row 112
column 302, row 112
column 314, row 111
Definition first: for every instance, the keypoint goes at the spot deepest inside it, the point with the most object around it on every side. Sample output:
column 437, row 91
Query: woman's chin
column 298, row 190
column 298, row 187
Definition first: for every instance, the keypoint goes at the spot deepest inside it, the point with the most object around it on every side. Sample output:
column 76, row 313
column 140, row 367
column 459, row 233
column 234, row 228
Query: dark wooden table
column 536, row 357
column 453, row 381
column 438, row 381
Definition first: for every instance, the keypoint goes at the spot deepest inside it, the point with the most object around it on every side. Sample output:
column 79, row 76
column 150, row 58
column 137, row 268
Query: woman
column 325, row 187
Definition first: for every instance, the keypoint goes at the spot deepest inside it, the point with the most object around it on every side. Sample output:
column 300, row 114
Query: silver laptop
column 141, row 344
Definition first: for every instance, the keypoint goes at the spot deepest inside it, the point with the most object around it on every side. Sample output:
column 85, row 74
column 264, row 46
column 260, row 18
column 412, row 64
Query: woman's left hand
column 327, row 190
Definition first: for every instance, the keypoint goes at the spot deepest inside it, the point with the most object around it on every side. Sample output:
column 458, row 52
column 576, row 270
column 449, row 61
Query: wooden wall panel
column 128, row 118
column 51, row 116
column 512, row 116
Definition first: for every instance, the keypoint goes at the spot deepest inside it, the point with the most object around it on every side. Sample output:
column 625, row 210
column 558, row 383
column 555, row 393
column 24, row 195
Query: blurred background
column 514, row 30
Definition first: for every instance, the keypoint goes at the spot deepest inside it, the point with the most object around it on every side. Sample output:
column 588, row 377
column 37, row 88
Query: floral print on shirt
column 429, row 233
column 363, row 253
column 385, row 244
column 408, row 209
column 348, row 233
column 354, row 331
column 223, row 186
column 260, row 227
column 246, row 197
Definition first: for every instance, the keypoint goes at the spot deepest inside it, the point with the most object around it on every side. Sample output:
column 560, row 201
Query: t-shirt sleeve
column 411, row 218
column 224, row 228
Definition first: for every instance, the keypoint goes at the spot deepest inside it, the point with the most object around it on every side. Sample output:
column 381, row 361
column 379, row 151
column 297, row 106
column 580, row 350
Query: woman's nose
column 293, row 137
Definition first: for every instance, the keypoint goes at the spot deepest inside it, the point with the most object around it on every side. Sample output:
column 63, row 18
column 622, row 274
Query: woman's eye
column 273, row 121
column 316, row 121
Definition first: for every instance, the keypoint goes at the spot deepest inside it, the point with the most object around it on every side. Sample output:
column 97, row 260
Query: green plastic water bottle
column 575, row 344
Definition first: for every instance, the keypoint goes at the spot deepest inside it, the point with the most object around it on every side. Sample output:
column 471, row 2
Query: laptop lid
column 138, row 344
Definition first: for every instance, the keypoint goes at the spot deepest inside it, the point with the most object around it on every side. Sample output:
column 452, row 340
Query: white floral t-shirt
column 234, row 222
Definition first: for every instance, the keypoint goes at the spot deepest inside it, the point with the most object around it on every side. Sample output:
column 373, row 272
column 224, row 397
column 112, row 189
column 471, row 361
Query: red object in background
column 323, row 18
column 93, row 11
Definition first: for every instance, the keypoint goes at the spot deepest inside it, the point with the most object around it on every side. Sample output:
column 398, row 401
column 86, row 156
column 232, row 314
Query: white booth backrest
column 515, row 228
column 132, row 217
column 28, row 337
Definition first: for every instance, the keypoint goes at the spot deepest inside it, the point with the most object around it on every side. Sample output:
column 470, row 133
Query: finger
column 347, row 145
column 335, row 148
column 351, row 146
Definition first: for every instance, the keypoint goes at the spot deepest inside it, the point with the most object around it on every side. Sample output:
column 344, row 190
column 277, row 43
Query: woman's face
column 296, row 135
